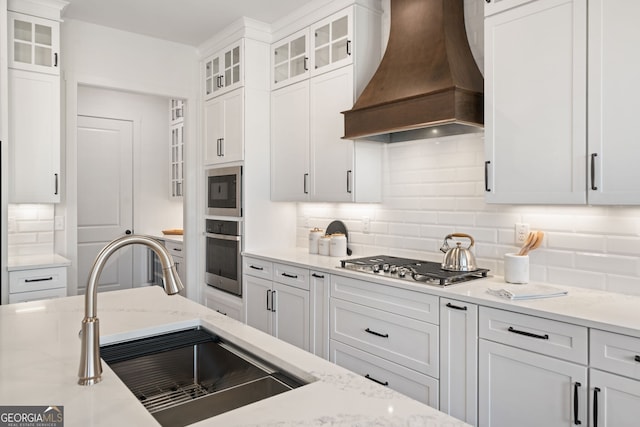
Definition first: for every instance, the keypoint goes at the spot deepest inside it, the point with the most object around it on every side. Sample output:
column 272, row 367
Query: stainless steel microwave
column 224, row 191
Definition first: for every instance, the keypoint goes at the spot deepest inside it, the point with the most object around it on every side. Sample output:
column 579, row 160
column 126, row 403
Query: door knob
column 127, row 232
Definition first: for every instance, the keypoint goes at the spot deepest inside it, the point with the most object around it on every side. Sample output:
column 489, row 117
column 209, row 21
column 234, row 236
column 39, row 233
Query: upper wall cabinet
column 332, row 41
column 223, row 128
column 223, row 71
column 535, row 102
column 290, row 59
column 557, row 125
column 34, row 43
column 614, row 102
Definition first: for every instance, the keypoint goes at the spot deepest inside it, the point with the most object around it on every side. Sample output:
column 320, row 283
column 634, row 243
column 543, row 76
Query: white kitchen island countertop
column 40, row 350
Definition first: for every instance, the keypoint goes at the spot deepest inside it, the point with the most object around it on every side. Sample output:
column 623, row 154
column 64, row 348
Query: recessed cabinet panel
column 34, row 137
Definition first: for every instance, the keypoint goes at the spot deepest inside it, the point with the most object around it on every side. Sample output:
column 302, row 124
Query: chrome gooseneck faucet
column 90, row 370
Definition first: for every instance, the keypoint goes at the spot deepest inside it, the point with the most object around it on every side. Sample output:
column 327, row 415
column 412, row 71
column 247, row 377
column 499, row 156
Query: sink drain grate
column 165, row 399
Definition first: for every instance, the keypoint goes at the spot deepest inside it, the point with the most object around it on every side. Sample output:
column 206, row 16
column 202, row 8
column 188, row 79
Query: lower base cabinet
column 614, row 400
column 224, row 303
column 37, row 284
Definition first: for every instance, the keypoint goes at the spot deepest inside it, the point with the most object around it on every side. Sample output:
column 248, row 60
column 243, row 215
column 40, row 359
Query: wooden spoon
column 539, row 237
column 527, row 243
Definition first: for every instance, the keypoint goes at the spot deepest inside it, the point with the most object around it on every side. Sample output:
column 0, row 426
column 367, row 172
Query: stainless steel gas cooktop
column 427, row 272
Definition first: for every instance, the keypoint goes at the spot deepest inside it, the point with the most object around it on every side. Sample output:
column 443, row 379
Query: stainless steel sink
column 187, row 376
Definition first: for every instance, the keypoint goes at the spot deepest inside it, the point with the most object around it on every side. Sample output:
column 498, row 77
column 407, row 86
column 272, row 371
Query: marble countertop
column 31, row 262
column 40, row 350
column 608, row 311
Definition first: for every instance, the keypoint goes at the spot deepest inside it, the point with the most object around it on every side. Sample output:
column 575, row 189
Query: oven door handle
column 223, row 237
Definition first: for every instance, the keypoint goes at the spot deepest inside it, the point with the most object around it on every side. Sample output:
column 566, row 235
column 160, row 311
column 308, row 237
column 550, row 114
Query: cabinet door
column 257, row 298
column 332, row 42
column 615, row 400
column 522, row 388
column 34, row 43
column 331, row 158
column 290, row 59
column 212, row 76
column 34, row 137
column 459, row 359
column 535, row 103
column 290, row 143
column 319, row 314
column 290, row 307
column 232, row 63
column 614, row 100
column 224, row 135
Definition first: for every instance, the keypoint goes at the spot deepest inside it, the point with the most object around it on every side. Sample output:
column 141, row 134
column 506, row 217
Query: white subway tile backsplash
column 432, row 188
column 31, row 231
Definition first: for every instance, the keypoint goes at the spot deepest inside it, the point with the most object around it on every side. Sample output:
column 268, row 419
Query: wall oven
column 223, row 259
column 224, row 191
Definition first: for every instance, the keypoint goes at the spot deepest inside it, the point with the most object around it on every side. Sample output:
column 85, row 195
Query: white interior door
column 105, row 198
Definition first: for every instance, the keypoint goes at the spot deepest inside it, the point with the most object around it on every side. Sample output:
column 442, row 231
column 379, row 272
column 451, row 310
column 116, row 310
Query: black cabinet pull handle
column 221, row 146
column 291, row 276
column 576, row 421
column 273, row 301
column 456, row 307
column 369, row 377
column 177, row 249
column 637, row 358
column 224, row 314
column 321, row 276
column 55, row 59
column 596, row 390
column 528, row 334
column 486, row 176
column 306, row 65
column 43, row 279
column 378, row 334
column 304, row 184
column 256, row 268
column 349, row 47
column 349, row 182
column 268, row 298
column 593, row 171
column 55, row 189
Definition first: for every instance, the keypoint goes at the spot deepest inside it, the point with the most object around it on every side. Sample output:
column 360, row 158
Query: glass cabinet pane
column 22, row 31
column 281, row 54
column 227, row 77
column 322, row 57
column 42, row 56
column 322, row 35
column 236, row 55
column 339, row 50
column 236, row 74
column 227, row 59
column 43, row 35
column 207, row 69
column 298, row 47
column 298, row 66
column 340, row 28
column 281, row 72
column 22, row 52
column 215, row 65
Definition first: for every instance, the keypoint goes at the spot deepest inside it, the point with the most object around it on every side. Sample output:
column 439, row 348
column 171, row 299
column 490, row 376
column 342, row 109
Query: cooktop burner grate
column 410, row 269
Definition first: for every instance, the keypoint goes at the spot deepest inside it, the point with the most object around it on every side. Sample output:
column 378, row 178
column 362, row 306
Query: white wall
column 98, row 56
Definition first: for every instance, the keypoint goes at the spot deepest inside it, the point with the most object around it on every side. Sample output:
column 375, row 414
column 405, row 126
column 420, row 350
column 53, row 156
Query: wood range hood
column 427, row 84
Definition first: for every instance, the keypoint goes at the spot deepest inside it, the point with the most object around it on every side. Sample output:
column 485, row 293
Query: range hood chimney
column 427, row 84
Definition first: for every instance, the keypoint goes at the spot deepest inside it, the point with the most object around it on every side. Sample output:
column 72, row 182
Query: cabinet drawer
column 174, row 248
column 409, row 342
column 550, row 337
column 257, row 268
column 416, row 305
column 292, row 276
column 38, row 279
column 37, row 295
column 619, row 354
column 420, row 387
column 224, row 304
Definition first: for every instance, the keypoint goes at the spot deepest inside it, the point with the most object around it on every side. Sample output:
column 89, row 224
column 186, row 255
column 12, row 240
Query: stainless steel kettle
column 458, row 258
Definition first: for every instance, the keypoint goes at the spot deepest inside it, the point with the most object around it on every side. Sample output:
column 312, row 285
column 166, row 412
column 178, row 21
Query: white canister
column 516, row 268
column 338, row 245
column 323, row 245
column 314, row 237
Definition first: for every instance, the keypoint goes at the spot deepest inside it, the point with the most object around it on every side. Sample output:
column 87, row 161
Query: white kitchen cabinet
column 34, row 43
column 290, row 59
column 319, row 283
column 459, row 359
column 34, row 137
column 310, row 160
column 279, row 307
column 535, row 102
column 387, row 333
column 224, row 70
column 224, row 303
column 332, row 42
column 176, row 109
column 224, row 128
column 614, row 98
column 37, row 284
column 532, row 371
column 614, row 379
